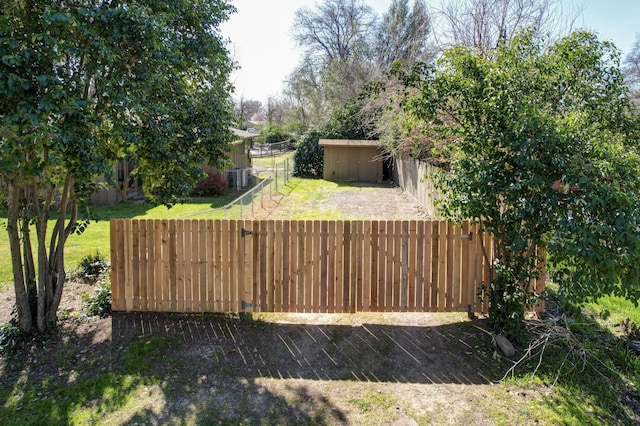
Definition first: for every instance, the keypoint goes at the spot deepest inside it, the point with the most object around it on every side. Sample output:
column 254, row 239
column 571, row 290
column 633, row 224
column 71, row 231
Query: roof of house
column 347, row 142
column 243, row 134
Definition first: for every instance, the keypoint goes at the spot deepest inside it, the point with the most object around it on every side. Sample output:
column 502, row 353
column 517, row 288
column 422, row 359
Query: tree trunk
column 22, row 298
column 28, row 265
column 44, row 275
column 55, row 262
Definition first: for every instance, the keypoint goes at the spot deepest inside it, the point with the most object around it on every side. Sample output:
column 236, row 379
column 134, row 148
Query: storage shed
column 352, row 160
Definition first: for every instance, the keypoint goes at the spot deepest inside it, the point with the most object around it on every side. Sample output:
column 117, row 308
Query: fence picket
column 151, row 287
column 456, row 266
column 217, row 267
column 339, row 270
column 373, row 301
column 267, row 287
column 324, row 261
column 304, row 266
column 404, row 266
column 412, row 250
column 397, row 265
column 293, row 261
column 202, row 263
column 209, row 265
column 278, row 267
column 382, row 277
column 356, row 268
column 347, row 239
column 420, row 266
column 286, row 265
column 225, row 293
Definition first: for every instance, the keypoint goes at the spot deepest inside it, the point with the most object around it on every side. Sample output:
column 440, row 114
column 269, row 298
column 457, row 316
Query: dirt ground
column 401, row 369
column 349, row 201
column 333, row 369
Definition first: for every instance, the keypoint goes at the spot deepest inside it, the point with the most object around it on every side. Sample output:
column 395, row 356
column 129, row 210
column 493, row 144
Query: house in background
column 352, row 160
column 238, row 174
column 129, row 187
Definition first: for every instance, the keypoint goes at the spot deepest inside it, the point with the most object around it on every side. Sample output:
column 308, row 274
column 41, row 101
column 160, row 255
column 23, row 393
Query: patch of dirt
column 71, row 304
column 353, row 201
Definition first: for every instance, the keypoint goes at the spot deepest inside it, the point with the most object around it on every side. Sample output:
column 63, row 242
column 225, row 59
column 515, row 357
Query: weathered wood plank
column 324, row 261
column 278, row 279
column 366, row 266
column 340, row 267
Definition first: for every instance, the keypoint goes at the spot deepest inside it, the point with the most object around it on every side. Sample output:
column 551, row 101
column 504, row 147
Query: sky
column 260, row 41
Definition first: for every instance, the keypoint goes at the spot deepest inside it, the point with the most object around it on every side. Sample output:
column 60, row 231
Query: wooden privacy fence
column 297, row 266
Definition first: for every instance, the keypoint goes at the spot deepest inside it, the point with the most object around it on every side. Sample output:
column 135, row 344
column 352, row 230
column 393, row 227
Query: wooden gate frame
column 298, row 266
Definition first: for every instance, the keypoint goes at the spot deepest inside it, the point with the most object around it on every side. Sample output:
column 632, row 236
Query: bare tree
column 403, row 34
column 632, row 70
column 303, row 89
column 334, row 29
column 481, row 24
column 245, row 109
column 274, row 110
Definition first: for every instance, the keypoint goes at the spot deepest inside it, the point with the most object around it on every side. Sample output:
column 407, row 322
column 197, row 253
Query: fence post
column 286, row 170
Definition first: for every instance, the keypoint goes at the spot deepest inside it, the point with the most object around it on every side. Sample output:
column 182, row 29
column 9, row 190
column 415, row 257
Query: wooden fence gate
column 297, row 266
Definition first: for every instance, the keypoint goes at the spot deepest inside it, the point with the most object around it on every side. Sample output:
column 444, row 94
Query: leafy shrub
column 11, row 338
column 309, row 156
column 276, row 133
column 92, row 267
column 99, row 304
column 213, row 185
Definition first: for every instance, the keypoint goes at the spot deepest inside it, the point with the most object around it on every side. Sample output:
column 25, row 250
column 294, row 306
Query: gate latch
column 468, row 236
column 246, row 305
column 245, row 232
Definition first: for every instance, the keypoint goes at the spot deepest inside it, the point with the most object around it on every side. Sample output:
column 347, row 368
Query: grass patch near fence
column 590, row 370
column 271, row 162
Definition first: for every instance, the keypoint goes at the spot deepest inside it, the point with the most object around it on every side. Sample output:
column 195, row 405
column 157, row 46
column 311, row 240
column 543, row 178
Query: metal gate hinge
column 468, row 236
column 245, row 232
column 246, row 305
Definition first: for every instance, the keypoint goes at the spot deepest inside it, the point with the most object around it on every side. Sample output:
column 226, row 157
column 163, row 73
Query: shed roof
column 347, row 142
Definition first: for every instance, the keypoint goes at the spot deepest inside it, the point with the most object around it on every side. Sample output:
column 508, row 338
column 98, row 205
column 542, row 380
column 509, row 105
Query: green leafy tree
column 544, row 154
column 84, row 84
column 309, row 156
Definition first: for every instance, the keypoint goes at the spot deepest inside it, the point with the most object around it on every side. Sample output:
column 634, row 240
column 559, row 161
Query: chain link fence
column 247, row 205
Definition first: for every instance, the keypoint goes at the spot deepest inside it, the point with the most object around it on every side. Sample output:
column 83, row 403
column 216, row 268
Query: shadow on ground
column 444, row 354
column 156, row 368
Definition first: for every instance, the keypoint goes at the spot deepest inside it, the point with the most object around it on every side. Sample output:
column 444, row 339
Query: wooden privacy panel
column 297, row 266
